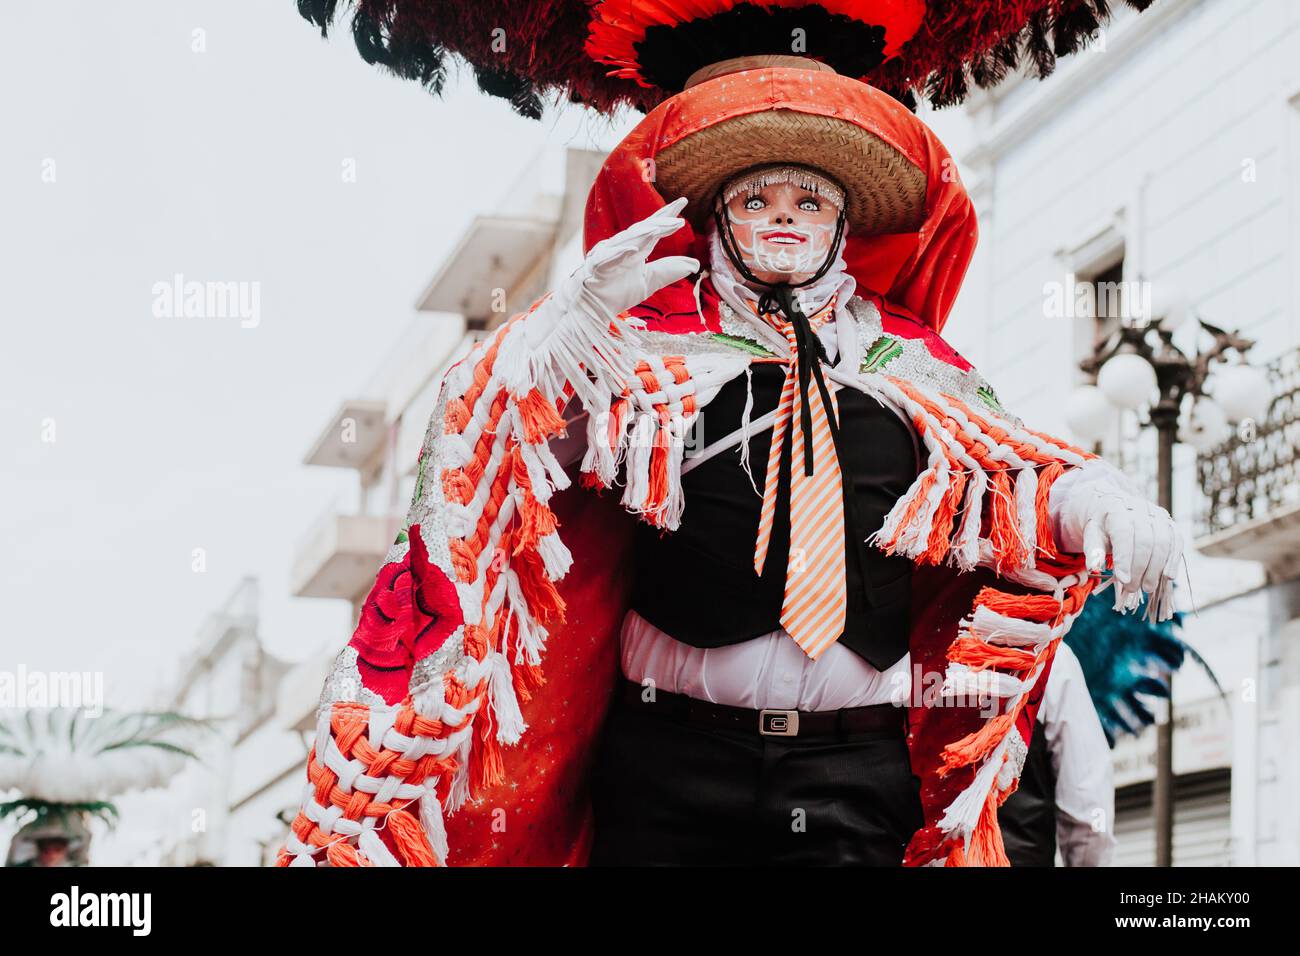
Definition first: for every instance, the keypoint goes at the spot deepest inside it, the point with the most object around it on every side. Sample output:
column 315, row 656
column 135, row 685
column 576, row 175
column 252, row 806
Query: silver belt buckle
column 778, row 723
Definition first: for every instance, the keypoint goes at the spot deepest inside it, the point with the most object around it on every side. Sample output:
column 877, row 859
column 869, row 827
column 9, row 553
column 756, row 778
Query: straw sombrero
column 885, row 190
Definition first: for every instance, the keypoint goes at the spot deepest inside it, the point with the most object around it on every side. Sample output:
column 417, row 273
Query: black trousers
column 668, row 792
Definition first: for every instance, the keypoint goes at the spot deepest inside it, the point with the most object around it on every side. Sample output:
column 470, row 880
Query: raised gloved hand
column 568, row 334
column 1096, row 511
column 615, row 273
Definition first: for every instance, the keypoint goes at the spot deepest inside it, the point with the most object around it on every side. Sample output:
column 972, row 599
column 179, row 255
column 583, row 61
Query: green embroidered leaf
column 401, row 537
column 880, row 353
column 990, row 398
column 419, row 475
column 745, row 345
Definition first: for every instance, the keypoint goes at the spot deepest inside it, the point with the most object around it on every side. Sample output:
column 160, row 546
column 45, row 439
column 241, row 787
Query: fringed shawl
column 430, row 707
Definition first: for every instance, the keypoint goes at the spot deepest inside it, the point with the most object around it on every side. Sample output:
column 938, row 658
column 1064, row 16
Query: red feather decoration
column 619, row 26
column 530, row 50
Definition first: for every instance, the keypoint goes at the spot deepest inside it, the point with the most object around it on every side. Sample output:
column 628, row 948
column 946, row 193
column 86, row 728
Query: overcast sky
column 205, row 138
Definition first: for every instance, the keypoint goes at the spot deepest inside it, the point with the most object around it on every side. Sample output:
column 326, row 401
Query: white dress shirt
column 1085, row 779
column 771, row 672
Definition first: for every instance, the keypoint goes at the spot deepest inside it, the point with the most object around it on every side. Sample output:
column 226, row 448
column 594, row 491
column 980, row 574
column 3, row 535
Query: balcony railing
column 1252, row 478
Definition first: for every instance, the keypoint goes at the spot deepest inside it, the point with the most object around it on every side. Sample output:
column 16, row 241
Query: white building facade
column 1167, row 158
column 216, row 813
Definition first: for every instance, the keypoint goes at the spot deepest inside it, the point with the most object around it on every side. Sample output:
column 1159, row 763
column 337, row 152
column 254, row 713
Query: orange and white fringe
column 979, row 465
column 400, row 768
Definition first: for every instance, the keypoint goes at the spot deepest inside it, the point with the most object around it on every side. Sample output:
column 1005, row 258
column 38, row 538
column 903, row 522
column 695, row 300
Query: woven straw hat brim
column 886, row 190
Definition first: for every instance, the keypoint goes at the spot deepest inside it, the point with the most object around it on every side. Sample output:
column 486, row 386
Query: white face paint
column 783, row 232
column 785, row 250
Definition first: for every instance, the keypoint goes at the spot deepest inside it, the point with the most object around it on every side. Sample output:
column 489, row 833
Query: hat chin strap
column 755, row 61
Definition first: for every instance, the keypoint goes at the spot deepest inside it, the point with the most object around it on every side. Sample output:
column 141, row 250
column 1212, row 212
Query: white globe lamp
column 1089, row 414
column 1243, row 392
column 1127, row 380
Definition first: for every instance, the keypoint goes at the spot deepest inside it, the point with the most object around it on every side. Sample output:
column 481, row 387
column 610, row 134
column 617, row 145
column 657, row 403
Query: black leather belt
column 769, row 723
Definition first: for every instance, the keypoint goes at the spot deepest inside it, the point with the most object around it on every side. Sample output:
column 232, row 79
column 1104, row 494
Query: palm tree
column 67, row 767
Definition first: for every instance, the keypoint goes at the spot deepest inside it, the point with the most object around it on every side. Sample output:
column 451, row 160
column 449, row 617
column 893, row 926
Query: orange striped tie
column 813, row 609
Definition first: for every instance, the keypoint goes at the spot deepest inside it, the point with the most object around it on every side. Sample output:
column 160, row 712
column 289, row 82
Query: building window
column 1100, row 297
column 1108, row 296
column 1202, row 821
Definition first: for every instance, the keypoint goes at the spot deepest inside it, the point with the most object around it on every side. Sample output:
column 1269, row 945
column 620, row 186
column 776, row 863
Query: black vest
column 1028, row 818
column 697, row 583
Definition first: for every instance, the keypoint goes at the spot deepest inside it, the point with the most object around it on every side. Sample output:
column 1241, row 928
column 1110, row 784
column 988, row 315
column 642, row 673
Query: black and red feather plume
column 612, row 53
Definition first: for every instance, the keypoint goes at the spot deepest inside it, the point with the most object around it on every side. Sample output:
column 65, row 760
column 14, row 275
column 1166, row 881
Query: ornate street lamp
column 1138, row 367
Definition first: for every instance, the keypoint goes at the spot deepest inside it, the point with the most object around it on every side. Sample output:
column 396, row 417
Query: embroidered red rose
column 411, row 610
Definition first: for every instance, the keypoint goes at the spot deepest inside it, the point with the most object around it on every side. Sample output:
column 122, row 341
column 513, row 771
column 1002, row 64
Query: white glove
column 1097, row 511
column 615, row 272
column 568, row 334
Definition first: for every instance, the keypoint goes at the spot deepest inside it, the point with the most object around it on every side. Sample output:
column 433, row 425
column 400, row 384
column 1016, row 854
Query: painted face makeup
column 783, row 231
